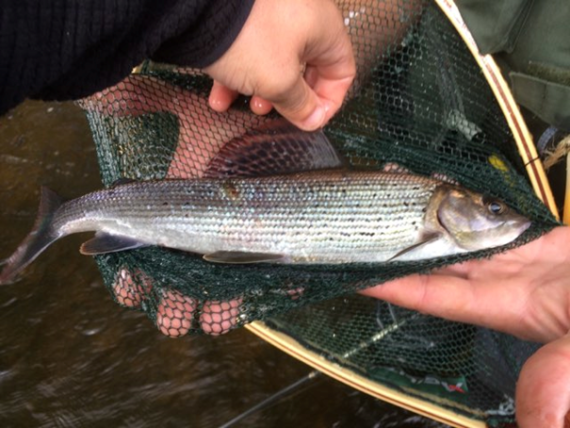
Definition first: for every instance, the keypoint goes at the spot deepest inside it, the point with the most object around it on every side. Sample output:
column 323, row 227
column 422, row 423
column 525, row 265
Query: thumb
column 301, row 106
column 543, row 396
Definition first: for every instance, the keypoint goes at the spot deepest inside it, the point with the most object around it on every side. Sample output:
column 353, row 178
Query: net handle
column 500, row 88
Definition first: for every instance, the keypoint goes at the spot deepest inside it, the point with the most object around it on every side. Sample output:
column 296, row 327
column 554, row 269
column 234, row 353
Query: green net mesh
column 420, row 101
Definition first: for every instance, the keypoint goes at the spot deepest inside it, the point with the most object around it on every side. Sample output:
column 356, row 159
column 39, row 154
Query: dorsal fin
column 241, row 257
column 276, row 148
column 121, row 181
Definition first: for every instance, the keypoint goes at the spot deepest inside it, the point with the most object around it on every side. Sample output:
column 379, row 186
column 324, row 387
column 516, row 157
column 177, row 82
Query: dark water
column 70, row 357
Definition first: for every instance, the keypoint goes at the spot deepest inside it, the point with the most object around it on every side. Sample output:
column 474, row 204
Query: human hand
column 524, row 292
column 295, row 56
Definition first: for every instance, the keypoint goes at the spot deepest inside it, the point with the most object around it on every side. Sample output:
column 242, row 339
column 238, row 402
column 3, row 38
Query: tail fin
column 37, row 240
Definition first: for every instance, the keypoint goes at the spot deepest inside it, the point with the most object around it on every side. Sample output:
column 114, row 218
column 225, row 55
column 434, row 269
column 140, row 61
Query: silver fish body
column 318, row 217
column 329, row 216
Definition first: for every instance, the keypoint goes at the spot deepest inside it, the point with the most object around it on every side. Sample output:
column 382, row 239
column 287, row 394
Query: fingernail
column 316, row 119
column 217, row 104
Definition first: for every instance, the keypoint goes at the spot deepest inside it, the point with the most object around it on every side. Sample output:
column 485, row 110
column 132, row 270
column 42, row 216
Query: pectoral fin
column 238, row 257
column 103, row 243
column 426, row 239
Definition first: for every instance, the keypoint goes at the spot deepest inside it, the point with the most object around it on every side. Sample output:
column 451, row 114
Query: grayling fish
column 330, row 216
column 323, row 216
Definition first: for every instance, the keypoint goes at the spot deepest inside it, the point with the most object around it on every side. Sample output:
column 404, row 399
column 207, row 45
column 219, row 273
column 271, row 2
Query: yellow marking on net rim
column 498, row 163
column 500, row 88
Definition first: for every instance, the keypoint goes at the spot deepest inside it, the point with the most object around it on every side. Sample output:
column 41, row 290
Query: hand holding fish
column 303, row 69
column 524, row 292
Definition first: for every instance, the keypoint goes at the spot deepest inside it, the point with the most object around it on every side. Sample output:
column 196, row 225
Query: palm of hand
column 523, row 291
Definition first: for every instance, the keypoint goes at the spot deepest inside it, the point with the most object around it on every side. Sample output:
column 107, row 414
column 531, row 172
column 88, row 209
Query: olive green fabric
column 531, row 41
column 550, row 101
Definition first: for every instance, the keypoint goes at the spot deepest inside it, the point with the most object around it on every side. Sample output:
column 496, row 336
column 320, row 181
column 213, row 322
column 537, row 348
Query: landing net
column 420, row 101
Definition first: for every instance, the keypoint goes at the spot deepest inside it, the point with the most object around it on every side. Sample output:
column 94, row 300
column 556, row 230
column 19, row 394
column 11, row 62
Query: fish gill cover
column 419, row 101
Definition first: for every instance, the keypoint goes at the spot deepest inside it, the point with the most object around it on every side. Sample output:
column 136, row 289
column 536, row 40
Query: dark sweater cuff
column 214, row 32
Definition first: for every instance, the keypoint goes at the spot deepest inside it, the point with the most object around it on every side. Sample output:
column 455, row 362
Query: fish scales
column 334, row 216
column 314, row 217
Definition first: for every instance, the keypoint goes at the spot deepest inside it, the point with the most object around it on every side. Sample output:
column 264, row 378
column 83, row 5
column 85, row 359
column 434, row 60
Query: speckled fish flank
column 327, row 216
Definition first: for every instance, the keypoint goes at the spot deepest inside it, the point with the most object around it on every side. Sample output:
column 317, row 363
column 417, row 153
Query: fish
column 326, row 216
column 312, row 217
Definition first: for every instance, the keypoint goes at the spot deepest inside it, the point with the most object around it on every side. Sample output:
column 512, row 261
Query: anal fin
column 104, row 243
column 122, row 181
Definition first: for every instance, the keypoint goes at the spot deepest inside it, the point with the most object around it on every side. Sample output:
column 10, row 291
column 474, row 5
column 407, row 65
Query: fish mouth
column 521, row 224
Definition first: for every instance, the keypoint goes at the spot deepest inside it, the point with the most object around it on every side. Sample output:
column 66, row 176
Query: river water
column 70, row 357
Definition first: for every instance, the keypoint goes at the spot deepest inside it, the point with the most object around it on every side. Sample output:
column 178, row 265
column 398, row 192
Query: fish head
column 475, row 222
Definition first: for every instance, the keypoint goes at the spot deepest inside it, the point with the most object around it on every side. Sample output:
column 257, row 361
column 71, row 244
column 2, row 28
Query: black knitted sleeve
column 68, row 49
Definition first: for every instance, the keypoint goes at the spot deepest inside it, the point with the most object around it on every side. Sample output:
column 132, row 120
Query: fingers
column 301, row 106
column 176, row 312
column 455, row 298
column 309, row 103
column 310, row 98
column 129, row 289
column 175, row 315
column 260, row 106
column 221, row 97
column 294, row 55
column 219, row 317
column 438, row 295
column 543, row 396
column 331, row 81
column 329, row 70
column 298, row 103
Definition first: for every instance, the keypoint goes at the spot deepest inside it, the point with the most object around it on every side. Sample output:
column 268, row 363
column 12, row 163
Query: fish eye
column 495, row 207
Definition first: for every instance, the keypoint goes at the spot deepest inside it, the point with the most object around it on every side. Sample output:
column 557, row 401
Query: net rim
column 499, row 86
column 292, row 347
